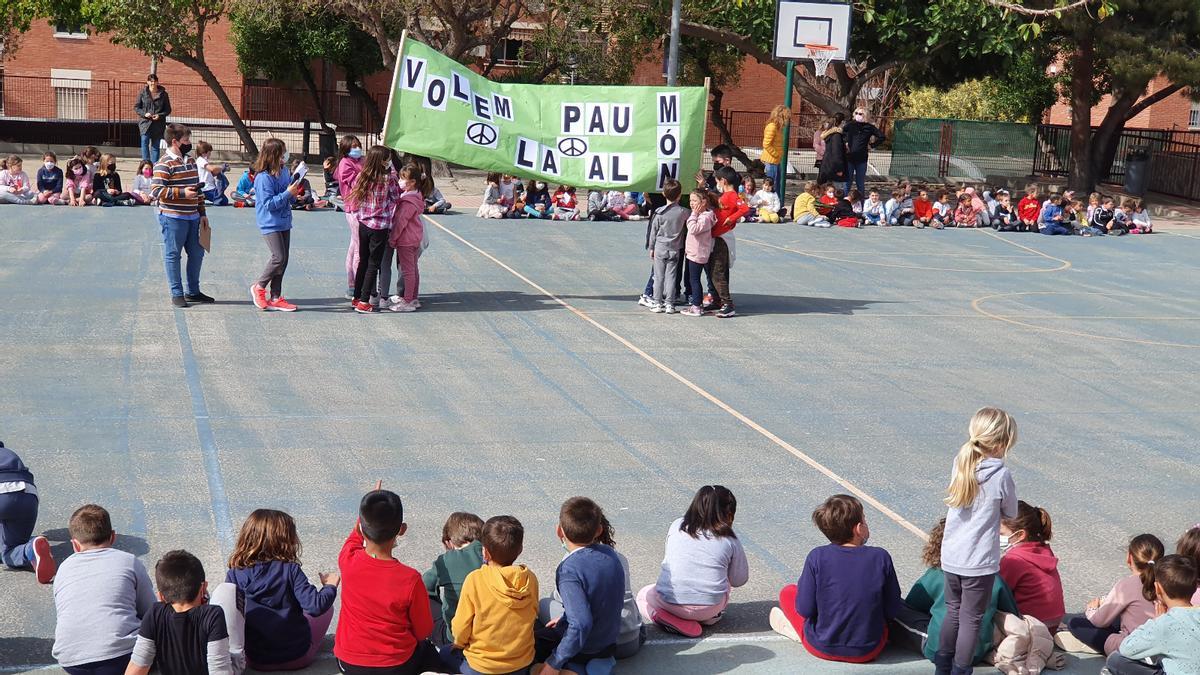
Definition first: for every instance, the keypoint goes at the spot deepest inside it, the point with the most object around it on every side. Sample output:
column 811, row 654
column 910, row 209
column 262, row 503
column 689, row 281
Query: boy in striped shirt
column 181, row 214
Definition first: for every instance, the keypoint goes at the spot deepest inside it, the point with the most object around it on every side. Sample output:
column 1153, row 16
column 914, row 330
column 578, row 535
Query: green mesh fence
column 974, row 150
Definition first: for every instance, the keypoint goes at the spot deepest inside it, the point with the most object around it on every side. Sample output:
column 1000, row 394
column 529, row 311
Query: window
column 69, row 29
column 1194, row 116
column 511, row 52
column 71, row 92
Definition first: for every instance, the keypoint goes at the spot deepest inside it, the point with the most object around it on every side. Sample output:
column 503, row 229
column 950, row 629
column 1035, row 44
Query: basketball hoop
column 821, row 56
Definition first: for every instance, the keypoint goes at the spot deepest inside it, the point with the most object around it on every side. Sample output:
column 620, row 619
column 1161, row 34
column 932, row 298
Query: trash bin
column 328, row 144
column 1137, row 171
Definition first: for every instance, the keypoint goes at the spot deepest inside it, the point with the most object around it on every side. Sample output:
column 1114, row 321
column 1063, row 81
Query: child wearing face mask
column 107, row 184
column 49, row 180
column 407, row 232
column 350, row 164
column 15, row 187
column 77, row 187
column 142, row 182
column 1029, row 566
column 537, row 201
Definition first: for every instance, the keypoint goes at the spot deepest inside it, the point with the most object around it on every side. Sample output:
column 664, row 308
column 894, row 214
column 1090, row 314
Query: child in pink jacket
column 348, row 167
column 1128, row 605
column 698, row 246
column 407, row 232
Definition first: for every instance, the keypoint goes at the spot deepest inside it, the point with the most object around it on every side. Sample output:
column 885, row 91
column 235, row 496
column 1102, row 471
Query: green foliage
column 16, row 16
column 971, row 100
column 271, row 38
column 162, row 28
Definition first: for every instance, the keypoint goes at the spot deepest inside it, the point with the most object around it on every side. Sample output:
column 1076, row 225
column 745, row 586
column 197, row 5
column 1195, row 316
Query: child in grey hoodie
column 668, row 229
column 981, row 492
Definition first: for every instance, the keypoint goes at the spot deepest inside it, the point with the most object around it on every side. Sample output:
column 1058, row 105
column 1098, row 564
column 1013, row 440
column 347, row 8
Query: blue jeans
column 1123, row 665
column 181, row 235
column 113, row 666
column 772, row 172
column 856, row 176
column 150, row 148
column 456, row 662
column 1056, row 228
column 18, row 516
column 1089, row 634
column 217, row 197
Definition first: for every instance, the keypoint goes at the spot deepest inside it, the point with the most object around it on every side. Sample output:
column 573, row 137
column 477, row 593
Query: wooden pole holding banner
column 781, row 189
column 395, row 79
column 704, row 129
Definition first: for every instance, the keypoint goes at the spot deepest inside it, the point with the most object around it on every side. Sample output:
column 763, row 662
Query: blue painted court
column 531, row 375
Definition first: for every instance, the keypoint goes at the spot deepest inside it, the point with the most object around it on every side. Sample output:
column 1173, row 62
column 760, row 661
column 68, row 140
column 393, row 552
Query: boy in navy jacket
column 18, row 516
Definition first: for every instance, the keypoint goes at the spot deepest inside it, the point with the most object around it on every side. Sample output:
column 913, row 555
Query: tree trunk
column 1080, row 173
column 206, row 74
column 311, row 85
column 1107, row 136
column 714, row 115
column 356, row 90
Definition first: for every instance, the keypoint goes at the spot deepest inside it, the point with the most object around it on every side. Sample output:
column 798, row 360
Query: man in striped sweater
column 181, row 214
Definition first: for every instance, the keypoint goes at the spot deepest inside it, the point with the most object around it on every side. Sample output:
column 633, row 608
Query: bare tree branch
column 1017, row 8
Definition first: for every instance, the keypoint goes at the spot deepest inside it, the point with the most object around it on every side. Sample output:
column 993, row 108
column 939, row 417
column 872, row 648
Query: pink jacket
column 346, row 172
column 699, row 242
column 1126, row 603
column 407, row 227
column 1031, row 570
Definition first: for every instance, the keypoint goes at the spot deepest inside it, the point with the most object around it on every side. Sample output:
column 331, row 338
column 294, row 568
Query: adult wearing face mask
column 860, row 137
column 152, row 107
column 722, row 155
column 181, row 214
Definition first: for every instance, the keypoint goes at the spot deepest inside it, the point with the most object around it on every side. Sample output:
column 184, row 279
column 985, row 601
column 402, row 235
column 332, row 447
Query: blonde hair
column 993, row 433
column 780, row 115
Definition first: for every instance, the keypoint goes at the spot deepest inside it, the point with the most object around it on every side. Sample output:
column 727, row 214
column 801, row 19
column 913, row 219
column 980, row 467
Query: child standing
column 668, row 231
column 406, row 234
column 1170, row 638
column 385, row 616
column 143, row 181
column 100, row 597
column 273, row 211
column 107, row 184
column 698, row 245
column 1029, row 567
column 182, row 633
column 15, row 187
column 493, row 204
column 564, row 204
column 848, row 592
column 444, row 580
column 1129, row 604
column 49, row 180
column 729, row 212
column 1028, row 209
column 981, row 492
column 493, row 628
column 213, row 180
column 703, row 563
column 350, row 164
column 18, row 516
column 805, row 208
column 285, row 617
column 766, row 202
column 372, row 203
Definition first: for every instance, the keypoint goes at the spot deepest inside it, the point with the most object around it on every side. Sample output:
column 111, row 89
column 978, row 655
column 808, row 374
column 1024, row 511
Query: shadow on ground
column 756, row 303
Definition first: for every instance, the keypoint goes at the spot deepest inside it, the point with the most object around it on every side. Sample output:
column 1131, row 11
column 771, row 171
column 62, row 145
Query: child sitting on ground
column 77, row 186
column 591, row 583
column 919, row 623
column 213, row 180
column 982, row 219
column 1093, row 204
column 493, row 201
column 903, row 211
column 100, row 597
column 1122, row 223
column 856, row 200
column 106, row 184
column 1140, row 218
column 564, row 205
column 843, row 214
column 493, row 627
column 1188, row 545
column 943, row 211
column 49, row 180
column 1029, row 210
column 509, row 191
column 243, row 193
column 1053, row 215
column 306, row 200
column 805, row 208
column 329, row 173
column 143, row 181
column 537, row 201
column 444, row 580
column 15, row 187
column 1171, row 638
column 182, row 633
column 1101, row 218
column 847, row 593
column 1130, row 603
column 597, row 207
column 965, row 215
column 765, row 202
column 922, row 210
column 827, row 200
column 618, row 204
column 1003, row 219
column 379, row 591
column 285, row 617
column 704, row 561
column 890, row 208
column 1029, row 567
column 872, row 210
column 435, row 201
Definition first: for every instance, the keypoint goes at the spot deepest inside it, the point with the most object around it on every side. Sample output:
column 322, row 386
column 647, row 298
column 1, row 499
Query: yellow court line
column 821, row 468
column 926, row 268
column 977, row 303
column 1066, row 264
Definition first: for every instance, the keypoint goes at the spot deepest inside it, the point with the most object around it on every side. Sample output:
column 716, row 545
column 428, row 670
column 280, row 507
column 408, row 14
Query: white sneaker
column 780, row 624
column 657, row 308
column 670, row 309
column 1069, row 643
column 646, row 301
column 635, row 217
column 403, row 306
column 395, row 299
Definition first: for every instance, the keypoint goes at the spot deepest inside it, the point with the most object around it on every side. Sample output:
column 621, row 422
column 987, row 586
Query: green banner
column 627, row 138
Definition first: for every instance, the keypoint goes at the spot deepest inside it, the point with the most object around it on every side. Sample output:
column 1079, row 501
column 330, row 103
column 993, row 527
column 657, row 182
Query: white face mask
column 49, row 166
column 286, row 156
column 541, row 186
column 1005, row 544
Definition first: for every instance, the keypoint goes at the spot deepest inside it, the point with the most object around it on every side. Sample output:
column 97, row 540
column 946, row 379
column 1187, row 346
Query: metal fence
column 746, row 128
column 35, row 109
column 1174, row 157
column 962, row 149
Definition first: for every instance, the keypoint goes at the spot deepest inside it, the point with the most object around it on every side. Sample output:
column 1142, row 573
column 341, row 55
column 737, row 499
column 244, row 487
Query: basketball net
column 821, row 56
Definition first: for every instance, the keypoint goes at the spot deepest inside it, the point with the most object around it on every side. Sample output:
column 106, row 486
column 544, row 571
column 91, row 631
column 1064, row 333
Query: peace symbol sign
column 481, row 133
column 572, row 147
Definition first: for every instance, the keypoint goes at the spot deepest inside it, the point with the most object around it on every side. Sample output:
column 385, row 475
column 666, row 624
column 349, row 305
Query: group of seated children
column 1064, row 214
column 507, row 197
column 90, row 178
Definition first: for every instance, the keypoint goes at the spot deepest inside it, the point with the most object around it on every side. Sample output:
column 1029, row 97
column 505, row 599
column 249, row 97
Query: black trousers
column 371, row 245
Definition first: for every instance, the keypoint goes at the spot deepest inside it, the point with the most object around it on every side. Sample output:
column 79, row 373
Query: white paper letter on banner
column 436, row 92
column 622, row 167
column 414, row 73
column 622, row 120
column 597, row 117
column 668, row 109
column 667, row 169
column 482, row 134
column 527, row 153
column 572, row 119
column 502, row 107
column 460, row 87
column 482, row 107
column 668, row 142
column 596, row 166
column 549, row 163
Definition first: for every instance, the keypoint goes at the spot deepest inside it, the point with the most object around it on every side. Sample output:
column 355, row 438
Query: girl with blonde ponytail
column 981, row 492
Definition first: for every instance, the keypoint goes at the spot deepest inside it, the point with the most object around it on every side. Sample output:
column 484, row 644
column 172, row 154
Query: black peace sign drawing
column 481, row 133
column 572, row 147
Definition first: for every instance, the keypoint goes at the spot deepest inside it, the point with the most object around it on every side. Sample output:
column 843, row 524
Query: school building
column 1177, row 111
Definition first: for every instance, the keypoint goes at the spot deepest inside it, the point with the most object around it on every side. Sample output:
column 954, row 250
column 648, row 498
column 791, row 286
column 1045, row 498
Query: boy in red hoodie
column 1028, row 210
column 730, row 210
column 922, row 210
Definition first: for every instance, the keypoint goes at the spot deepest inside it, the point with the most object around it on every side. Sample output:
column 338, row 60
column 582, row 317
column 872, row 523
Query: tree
column 17, row 15
column 1020, row 94
column 170, row 29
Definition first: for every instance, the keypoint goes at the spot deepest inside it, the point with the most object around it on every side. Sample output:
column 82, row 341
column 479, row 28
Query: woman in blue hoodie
column 286, row 617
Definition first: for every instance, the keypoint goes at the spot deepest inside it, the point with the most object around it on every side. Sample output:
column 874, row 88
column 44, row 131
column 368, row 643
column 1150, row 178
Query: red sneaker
column 258, row 295
column 280, row 304
column 43, row 563
column 364, row 308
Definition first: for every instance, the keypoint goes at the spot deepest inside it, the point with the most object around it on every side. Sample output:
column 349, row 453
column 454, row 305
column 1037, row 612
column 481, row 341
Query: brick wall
column 1171, row 113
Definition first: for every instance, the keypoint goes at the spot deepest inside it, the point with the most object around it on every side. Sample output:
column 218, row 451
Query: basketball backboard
column 811, row 22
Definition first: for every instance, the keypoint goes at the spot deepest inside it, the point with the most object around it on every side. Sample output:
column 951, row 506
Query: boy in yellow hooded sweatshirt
column 498, row 607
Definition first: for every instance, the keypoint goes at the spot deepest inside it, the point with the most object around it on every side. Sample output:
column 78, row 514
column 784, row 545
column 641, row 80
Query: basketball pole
column 673, row 48
column 787, row 132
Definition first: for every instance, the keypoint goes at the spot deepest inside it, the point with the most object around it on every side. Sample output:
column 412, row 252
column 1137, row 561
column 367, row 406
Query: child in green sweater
column 444, row 580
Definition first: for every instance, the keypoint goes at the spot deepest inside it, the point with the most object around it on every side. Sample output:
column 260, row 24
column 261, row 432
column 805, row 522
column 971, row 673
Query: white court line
column 1179, row 234
column 826, row 471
